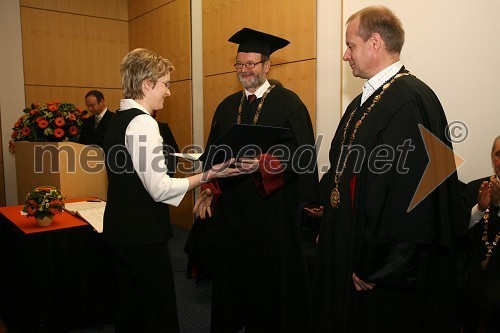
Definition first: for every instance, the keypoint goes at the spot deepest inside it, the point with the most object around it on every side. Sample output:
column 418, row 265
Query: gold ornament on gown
column 490, row 246
column 335, row 195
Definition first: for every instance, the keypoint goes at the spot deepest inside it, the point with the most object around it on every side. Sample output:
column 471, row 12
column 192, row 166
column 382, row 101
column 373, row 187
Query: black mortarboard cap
column 250, row 40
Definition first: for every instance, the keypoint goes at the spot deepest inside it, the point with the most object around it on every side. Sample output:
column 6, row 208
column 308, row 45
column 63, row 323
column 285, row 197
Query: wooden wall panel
column 1, row 145
column 2, row 181
column 215, row 89
column 137, row 8
column 167, row 31
column 182, row 215
column 294, row 66
column 177, row 112
column 42, row 94
column 72, row 50
column 2, row 185
column 294, row 20
column 113, row 9
column 299, row 77
column 165, row 27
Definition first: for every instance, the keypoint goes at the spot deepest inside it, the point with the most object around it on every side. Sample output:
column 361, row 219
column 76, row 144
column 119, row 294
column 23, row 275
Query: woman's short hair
column 139, row 65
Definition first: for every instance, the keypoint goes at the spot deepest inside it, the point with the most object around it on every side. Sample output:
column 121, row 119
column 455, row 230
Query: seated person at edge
column 139, row 190
column 482, row 199
column 94, row 127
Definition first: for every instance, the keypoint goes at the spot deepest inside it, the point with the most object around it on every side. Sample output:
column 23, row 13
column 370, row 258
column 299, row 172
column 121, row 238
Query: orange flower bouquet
column 44, row 201
column 52, row 122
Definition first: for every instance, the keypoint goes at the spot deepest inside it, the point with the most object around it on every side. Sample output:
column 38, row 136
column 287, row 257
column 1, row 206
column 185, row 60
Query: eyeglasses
column 167, row 84
column 248, row 64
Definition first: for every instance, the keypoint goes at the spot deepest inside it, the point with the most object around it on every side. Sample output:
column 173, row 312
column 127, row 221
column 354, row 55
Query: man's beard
column 251, row 82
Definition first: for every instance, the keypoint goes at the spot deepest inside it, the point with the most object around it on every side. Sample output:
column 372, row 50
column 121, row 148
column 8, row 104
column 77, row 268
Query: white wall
column 11, row 87
column 329, row 81
column 453, row 47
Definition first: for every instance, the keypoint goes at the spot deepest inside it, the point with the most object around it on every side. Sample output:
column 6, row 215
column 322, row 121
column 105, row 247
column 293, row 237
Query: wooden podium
column 75, row 169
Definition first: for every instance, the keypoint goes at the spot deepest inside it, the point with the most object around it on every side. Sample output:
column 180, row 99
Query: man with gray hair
column 383, row 265
column 482, row 199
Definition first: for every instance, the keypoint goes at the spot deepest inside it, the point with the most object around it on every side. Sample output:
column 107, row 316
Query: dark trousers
column 146, row 289
column 490, row 297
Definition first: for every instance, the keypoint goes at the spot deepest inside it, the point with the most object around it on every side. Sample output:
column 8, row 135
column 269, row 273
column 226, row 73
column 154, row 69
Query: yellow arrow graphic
column 442, row 163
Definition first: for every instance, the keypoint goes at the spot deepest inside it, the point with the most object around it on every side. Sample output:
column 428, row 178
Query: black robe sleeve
column 169, row 146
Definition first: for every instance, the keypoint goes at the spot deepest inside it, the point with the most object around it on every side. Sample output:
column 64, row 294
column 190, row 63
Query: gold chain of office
column 490, row 246
column 335, row 195
column 259, row 107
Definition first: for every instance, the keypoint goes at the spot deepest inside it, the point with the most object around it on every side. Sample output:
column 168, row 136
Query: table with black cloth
column 53, row 279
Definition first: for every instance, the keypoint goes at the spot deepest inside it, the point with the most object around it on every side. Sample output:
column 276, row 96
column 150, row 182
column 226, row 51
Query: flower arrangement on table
column 44, row 201
column 51, row 121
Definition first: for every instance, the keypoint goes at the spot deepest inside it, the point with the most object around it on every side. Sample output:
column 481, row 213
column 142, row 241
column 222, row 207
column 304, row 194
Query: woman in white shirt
column 139, row 189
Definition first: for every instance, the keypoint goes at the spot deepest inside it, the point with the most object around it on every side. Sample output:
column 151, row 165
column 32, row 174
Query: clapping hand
column 495, row 191
column 484, row 196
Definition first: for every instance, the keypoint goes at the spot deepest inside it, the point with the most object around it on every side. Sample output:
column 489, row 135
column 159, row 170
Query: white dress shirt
column 144, row 143
column 378, row 80
column 99, row 117
column 475, row 216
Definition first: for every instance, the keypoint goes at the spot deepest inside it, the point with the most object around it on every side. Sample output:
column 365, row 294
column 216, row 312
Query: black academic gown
column 260, row 277
column 373, row 218
column 95, row 136
column 485, row 285
column 169, row 147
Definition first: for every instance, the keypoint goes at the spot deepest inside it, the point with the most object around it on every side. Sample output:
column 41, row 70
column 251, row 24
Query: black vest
column 132, row 217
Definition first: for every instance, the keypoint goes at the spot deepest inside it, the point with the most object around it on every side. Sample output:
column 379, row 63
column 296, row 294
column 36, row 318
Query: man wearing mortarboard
column 260, row 281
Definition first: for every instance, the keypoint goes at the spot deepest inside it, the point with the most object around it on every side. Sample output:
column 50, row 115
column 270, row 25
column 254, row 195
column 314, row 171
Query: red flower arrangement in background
column 52, row 122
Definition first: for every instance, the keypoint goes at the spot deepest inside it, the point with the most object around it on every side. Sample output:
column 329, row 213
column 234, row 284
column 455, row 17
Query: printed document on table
column 91, row 211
